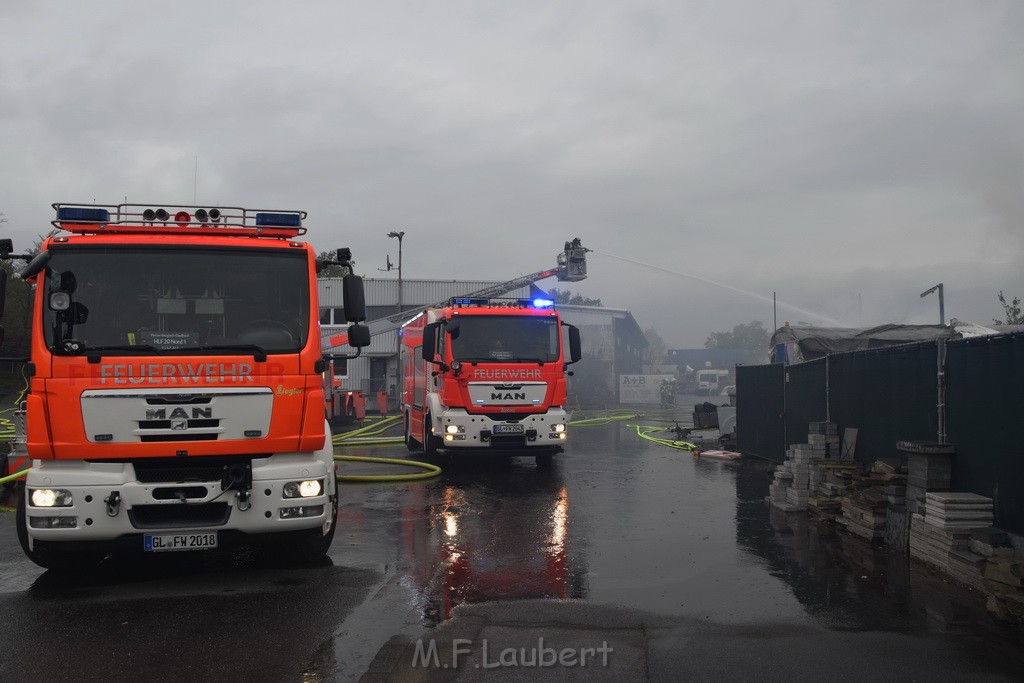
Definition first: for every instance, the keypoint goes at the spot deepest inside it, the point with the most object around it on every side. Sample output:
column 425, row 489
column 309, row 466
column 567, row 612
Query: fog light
column 309, row 488
column 51, row 498
column 53, row 522
column 449, row 437
column 296, row 512
column 562, row 435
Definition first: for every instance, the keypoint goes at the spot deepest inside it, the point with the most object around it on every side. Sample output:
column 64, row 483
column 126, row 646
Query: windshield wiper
column 96, row 352
column 259, row 353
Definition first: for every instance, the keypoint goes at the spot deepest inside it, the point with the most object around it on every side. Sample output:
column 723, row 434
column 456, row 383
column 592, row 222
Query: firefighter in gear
column 668, row 393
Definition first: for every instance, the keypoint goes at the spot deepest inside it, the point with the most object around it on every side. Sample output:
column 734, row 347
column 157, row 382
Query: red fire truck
column 176, row 398
column 487, row 374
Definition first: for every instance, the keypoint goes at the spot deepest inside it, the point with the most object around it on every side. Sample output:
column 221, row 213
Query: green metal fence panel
column 985, row 389
column 805, row 398
column 888, row 395
column 760, row 408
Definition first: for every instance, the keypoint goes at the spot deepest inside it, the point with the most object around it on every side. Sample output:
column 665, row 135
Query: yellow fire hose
column 645, row 431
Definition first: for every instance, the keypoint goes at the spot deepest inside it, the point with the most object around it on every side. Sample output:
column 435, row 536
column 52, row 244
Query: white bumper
column 146, row 507
column 541, row 430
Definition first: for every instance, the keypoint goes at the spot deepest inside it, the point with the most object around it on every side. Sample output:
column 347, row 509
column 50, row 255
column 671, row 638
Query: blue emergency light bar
column 83, row 214
column 278, row 220
column 502, row 303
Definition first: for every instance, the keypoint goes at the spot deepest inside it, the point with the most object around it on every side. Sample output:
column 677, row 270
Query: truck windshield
column 506, row 338
column 179, row 300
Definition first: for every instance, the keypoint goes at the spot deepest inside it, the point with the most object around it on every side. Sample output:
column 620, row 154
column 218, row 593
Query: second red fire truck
column 487, row 374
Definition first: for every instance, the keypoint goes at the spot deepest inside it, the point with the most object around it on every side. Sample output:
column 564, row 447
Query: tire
column 312, row 546
column 430, row 442
column 411, row 444
column 44, row 555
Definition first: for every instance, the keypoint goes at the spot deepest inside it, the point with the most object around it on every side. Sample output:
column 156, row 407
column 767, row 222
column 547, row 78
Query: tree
column 751, row 337
column 656, row 349
column 330, row 271
column 1011, row 310
column 561, row 296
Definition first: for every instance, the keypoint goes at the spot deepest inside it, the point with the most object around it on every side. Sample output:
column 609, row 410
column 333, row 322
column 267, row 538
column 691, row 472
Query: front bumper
column 158, row 507
column 460, row 429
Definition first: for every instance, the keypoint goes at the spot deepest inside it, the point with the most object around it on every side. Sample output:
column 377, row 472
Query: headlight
column 309, row 488
column 558, row 428
column 51, row 498
column 60, row 301
column 454, row 429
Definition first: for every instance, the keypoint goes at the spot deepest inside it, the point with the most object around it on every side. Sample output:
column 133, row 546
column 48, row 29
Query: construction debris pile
column 908, row 507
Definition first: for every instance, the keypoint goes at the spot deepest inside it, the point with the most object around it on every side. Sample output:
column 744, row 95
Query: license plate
column 157, row 543
column 507, row 429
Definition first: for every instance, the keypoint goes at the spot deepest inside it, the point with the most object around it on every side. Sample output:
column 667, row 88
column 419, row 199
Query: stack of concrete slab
column 929, row 468
column 942, row 535
column 790, row 489
column 829, row 430
column 957, row 510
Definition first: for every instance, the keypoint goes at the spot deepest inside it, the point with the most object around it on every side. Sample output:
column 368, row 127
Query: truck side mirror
column 358, row 336
column 36, row 265
column 353, row 299
column 429, row 348
column 575, row 348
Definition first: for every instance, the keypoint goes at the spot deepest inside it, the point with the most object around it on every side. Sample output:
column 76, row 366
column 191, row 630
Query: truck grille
column 178, row 515
column 182, row 470
column 161, row 438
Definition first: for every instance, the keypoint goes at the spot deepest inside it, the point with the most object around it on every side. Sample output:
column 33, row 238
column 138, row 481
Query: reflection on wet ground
column 620, row 520
column 616, row 519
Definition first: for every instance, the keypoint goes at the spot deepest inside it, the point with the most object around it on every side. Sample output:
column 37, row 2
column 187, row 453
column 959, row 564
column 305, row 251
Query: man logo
column 179, row 425
column 508, row 396
column 178, row 413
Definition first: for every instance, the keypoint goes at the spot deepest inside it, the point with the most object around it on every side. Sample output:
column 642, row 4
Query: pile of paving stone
column 867, row 503
column 791, row 489
column 909, row 507
column 1003, row 574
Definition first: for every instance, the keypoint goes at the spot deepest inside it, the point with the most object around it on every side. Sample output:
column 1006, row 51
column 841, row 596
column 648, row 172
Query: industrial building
column 613, row 342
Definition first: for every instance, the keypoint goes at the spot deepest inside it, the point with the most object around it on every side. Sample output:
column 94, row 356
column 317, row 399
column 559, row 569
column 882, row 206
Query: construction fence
column 967, row 392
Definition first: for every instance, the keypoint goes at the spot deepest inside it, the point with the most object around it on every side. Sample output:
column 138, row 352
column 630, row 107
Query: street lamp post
column 942, row 302
column 399, row 235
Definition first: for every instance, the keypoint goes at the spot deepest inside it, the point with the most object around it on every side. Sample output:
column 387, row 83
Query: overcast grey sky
column 846, row 155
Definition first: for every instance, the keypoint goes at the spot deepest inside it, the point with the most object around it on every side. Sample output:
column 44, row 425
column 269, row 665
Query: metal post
column 942, row 301
column 399, row 235
column 940, row 353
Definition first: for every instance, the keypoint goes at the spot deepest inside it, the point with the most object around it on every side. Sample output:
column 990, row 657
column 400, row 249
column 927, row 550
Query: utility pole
column 399, row 235
column 942, row 302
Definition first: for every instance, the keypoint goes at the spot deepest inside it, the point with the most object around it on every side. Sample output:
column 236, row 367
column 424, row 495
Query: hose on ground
column 429, row 472
column 646, row 432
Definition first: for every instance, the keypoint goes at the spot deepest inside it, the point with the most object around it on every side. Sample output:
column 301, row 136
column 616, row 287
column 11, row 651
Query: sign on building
column 641, row 388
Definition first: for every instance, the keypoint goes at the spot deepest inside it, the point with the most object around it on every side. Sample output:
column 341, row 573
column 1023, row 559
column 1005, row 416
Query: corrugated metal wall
column 761, row 410
column 985, row 403
column 891, row 395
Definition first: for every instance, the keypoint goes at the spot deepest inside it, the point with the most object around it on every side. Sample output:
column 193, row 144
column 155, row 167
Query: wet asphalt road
column 616, row 520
